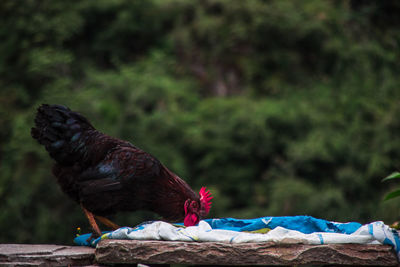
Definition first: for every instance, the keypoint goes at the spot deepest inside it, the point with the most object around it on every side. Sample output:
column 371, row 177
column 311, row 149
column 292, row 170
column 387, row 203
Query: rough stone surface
column 45, row 255
column 210, row 253
column 207, row 253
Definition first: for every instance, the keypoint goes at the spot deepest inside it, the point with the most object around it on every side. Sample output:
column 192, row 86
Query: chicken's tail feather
column 60, row 130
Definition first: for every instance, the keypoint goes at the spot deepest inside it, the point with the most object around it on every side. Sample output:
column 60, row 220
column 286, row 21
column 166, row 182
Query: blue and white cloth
column 281, row 230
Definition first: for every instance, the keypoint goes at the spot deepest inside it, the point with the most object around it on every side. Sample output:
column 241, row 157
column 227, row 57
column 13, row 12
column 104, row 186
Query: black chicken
column 106, row 175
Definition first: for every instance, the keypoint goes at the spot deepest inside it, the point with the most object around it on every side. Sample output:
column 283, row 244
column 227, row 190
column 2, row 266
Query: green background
column 278, row 107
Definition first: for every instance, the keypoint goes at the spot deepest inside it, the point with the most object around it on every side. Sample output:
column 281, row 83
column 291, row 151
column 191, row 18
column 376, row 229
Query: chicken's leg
column 92, row 221
column 107, row 222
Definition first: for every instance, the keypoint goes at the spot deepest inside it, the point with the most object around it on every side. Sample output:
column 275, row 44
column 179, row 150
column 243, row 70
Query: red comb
column 205, row 197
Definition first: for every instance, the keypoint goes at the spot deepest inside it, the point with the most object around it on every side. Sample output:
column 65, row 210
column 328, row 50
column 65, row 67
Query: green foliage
column 395, row 193
column 279, row 107
column 394, row 175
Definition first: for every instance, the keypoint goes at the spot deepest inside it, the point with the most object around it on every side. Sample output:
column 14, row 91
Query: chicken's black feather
column 104, row 174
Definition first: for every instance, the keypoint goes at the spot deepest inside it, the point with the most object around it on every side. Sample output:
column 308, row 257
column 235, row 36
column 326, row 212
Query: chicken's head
column 197, row 209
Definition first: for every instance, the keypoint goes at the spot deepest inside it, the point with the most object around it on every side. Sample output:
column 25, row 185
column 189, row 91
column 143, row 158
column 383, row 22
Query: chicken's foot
column 107, row 222
column 92, row 221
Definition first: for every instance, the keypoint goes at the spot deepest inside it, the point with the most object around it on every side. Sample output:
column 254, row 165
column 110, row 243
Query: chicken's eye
column 195, row 205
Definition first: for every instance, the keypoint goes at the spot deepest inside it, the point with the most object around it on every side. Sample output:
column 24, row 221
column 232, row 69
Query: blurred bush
column 280, row 107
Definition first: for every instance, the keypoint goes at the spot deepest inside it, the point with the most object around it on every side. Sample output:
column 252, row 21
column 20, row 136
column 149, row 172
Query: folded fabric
column 291, row 229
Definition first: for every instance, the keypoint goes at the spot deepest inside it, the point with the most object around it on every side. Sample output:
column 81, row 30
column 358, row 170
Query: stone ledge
column 207, row 253
column 211, row 253
column 45, row 255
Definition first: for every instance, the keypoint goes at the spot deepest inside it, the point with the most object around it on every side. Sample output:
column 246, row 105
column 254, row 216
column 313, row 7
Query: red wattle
column 191, row 220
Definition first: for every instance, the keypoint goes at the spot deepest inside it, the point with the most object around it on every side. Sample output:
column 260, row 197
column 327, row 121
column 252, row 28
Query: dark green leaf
column 394, row 175
column 392, row 194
